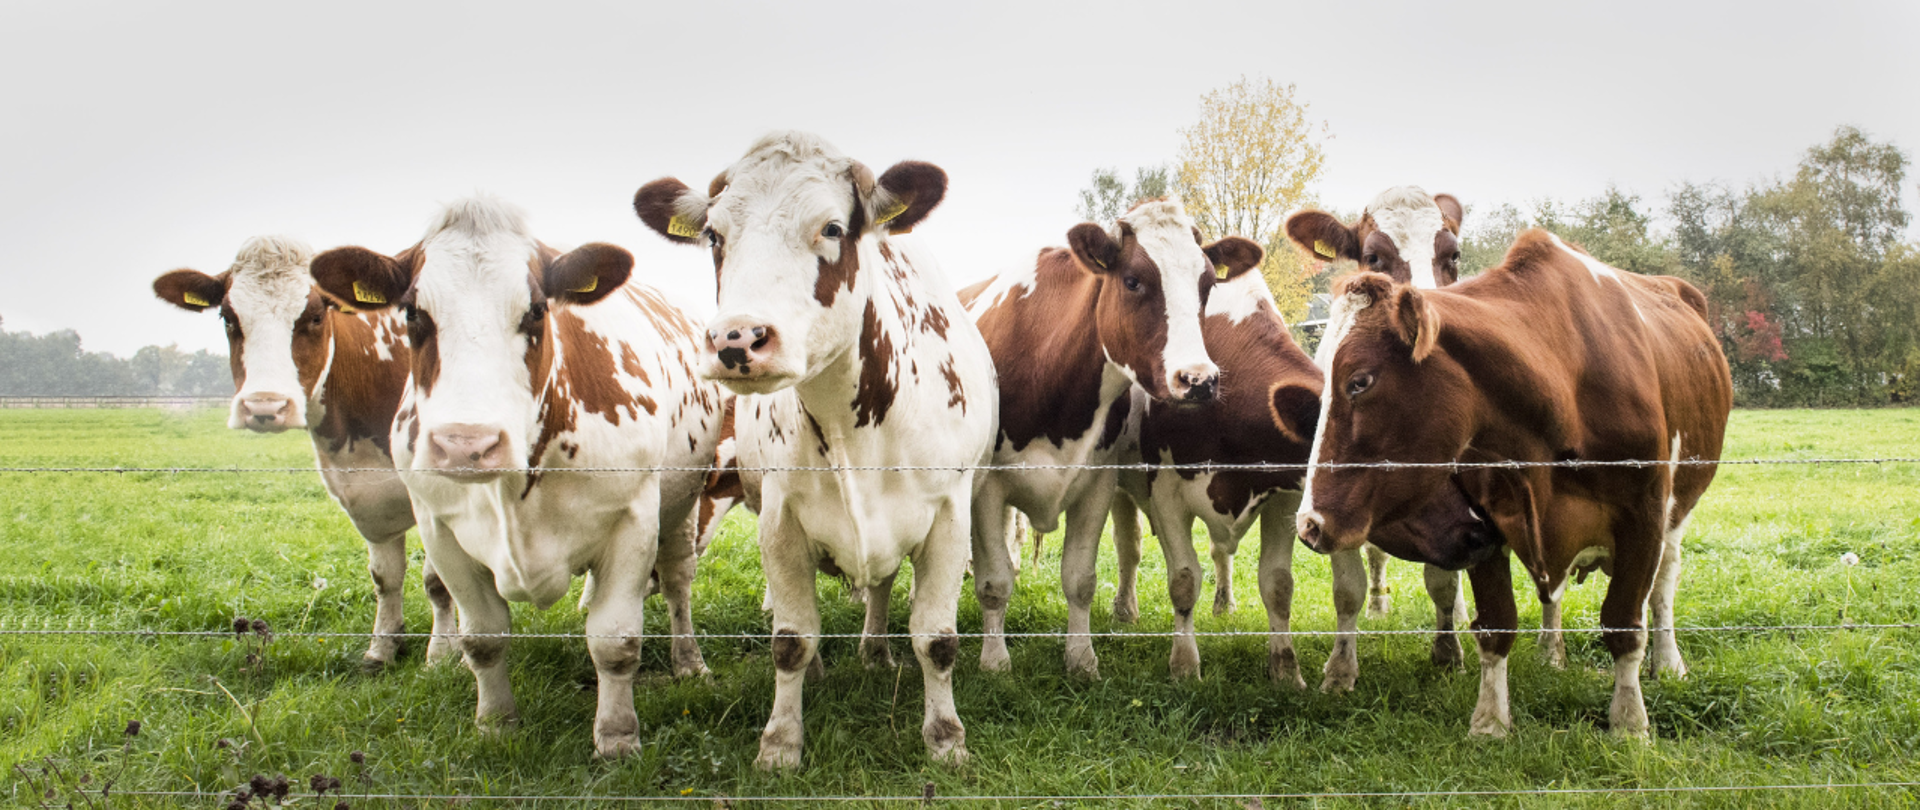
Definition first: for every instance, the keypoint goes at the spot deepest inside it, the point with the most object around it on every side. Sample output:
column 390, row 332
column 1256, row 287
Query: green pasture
column 190, row 551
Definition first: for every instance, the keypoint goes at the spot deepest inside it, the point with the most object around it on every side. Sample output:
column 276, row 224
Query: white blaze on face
column 473, row 284
column 267, row 291
column 1165, row 232
column 1345, row 310
column 1408, row 216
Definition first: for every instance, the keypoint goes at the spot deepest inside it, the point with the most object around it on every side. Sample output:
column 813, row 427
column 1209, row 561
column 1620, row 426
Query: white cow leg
column 1078, row 553
column 678, row 561
column 1665, row 651
column 1628, row 714
column 796, row 636
column 1449, row 612
column 874, row 649
column 1222, row 545
column 1126, row 547
column 1276, row 590
column 1349, row 596
column 484, row 624
column 440, row 645
column 939, row 573
column 1183, row 586
column 387, row 563
column 615, row 624
column 1379, row 593
column 1553, row 644
column 992, row 576
column 1491, row 717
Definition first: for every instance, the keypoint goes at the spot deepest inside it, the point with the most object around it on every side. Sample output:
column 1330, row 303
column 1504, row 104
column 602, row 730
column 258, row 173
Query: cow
column 1072, row 336
column 1414, row 238
column 300, row 361
column 1551, row 356
column 850, row 352
column 528, row 363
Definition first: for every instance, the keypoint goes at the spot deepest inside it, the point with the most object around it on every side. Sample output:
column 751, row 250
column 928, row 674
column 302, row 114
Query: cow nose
column 1196, row 383
column 267, row 411
column 1307, row 525
column 739, row 344
column 467, row 448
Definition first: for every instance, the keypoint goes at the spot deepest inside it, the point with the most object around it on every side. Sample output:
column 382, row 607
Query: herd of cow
column 539, row 416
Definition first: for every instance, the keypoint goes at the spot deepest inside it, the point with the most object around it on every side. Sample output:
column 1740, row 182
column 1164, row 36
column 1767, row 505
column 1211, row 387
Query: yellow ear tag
column 593, row 282
column 678, row 226
column 1220, row 270
column 195, row 299
column 1324, row 250
column 893, row 211
column 367, row 295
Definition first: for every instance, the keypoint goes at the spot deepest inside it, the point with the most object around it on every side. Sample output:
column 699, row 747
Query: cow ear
column 190, row 290
column 1093, row 247
column 1324, row 236
column 1234, row 255
column 586, row 274
column 1296, row 411
column 1414, row 321
column 672, row 210
column 363, row 279
column 1451, row 209
column 906, row 193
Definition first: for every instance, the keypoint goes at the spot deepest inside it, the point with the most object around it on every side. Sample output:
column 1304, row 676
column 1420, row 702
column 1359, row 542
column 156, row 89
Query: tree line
column 56, row 365
column 1813, row 288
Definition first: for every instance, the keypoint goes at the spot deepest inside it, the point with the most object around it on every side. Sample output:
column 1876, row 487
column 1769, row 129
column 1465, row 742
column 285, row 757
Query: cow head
column 476, row 292
column 1391, row 393
column 278, row 335
column 790, row 225
column 1405, row 233
column 1155, row 278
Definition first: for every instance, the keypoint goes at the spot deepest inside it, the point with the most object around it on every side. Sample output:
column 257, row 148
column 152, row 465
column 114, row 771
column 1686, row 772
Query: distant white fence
column 171, row 403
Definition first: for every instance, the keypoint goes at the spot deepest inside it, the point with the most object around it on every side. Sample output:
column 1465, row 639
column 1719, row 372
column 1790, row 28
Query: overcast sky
column 140, row 137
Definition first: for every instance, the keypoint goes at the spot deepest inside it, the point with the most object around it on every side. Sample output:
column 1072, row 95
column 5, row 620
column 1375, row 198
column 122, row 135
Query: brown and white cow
column 529, row 363
column 1552, row 356
column 850, row 352
column 300, row 361
column 1414, row 238
column 1071, row 337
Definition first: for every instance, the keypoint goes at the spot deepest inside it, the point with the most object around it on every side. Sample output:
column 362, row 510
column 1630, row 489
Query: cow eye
column 833, row 231
column 1132, row 282
column 1358, row 384
column 1373, row 260
column 713, row 239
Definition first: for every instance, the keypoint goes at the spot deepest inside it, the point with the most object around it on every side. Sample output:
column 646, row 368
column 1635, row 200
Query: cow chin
column 754, row 378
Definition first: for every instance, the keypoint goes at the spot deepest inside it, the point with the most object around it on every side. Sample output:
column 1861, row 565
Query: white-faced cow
column 300, row 361
column 527, row 363
column 1071, row 337
column 850, row 351
column 1552, row 356
column 1413, row 238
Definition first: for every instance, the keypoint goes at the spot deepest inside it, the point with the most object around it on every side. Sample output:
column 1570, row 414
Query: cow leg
column 1016, row 533
column 938, row 574
column 440, row 646
column 1079, row 552
column 1222, row 545
column 387, row 564
column 1276, row 588
column 1349, row 595
column 1636, row 559
column 1183, row 586
column 674, row 567
column 1665, row 652
column 789, row 569
column 874, row 649
column 484, row 624
column 1553, row 645
column 1126, row 547
column 615, row 621
column 1379, row 593
column 1495, row 619
column 1449, row 610
column 992, row 575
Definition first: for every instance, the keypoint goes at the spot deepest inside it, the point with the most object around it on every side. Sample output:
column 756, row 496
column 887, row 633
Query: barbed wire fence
column 16, row 629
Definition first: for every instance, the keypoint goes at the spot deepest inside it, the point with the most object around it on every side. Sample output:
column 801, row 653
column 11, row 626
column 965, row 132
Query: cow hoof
column 1083, row 663
column 615, row 747
column 1379, row 605
column 1673, row 666
column 1222, row 603
column 440, row 651
column 1556, row 658
column 1446, row 651
column 994, row 658
column 694, row 669
column 1126, row 609
column 1184, row 664
column 955, row 756
column 1339, row 682
column 1284, row 669
column 1488, row 729
column 497, row 725
column 778, row 758
column 876, row 653
column 371, row 665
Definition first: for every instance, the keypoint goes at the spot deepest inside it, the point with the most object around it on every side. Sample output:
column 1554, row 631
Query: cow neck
column 357, row 391
column 1054, row 375
column 1254, row 355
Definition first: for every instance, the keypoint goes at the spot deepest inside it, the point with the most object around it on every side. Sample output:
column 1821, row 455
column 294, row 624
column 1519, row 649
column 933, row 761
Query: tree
column 1107, row 196
column 1244, row 165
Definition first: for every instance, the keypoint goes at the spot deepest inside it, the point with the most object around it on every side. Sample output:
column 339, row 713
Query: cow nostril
column 759, row 332
column 733, row 335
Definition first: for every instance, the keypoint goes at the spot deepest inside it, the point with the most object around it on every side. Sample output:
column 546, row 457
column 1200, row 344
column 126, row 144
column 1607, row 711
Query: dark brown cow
column 1552, row 356
column 1071, row 338
column 299, row 361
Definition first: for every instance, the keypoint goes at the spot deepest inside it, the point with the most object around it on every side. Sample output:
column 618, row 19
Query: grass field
column 190, row 551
